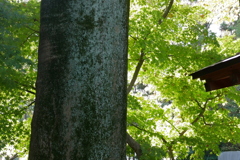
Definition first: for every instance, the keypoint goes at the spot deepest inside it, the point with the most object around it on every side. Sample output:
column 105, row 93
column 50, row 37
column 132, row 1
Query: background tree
column 18, row 44
column 176, row 113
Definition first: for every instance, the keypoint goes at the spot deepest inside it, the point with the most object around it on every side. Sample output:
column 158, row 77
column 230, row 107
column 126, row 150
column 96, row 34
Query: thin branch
column 173, row 126
column 163, row 139
column 26, row 86
column 31, row 103
column 203, row 117
column 203, row 109
column 133, row 37
column 135, row 75
column 183, row 132
column 209, row 99
column 28, row 37
column 136, row 126
column 201, row 114
column 198, row 116
column 167, row 10
column 14, row 157
column 198, row 103
column 32, row 29
column 29, row 91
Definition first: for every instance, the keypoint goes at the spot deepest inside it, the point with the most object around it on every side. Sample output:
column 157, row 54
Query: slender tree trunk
column 80, row 111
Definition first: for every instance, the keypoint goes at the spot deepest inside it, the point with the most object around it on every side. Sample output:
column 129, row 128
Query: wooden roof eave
column 232, row 61
column 223, row 74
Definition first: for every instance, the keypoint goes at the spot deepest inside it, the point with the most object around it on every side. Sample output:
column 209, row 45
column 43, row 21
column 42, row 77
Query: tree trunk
column 80, row 110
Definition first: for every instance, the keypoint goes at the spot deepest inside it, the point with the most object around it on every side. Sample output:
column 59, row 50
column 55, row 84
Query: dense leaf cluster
column 173, row 49
column 18, row 57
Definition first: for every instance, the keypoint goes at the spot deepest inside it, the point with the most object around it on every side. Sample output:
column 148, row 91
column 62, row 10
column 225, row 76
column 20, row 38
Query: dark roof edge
column 217, row 66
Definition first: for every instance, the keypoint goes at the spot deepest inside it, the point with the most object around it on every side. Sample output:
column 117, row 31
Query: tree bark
column 80, row 109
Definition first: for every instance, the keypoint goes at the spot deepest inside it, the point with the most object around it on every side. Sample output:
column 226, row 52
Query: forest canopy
column 169, row 114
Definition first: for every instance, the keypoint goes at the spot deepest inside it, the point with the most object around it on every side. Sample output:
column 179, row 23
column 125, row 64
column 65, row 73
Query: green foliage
column 173, row 50
column 175, row 114
column 232, row 27
column 18, row 57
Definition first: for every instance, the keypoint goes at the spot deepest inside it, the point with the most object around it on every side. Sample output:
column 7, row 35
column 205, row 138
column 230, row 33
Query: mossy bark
column 80, row 110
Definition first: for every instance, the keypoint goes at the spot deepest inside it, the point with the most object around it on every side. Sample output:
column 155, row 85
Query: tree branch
column 170, row 152
column 133, row 37
column 135, row 75
column 208, row 124
column 197, row 118
column 201, row 114
column 129, row 139
column 198, row 103
column 134, row 145
column 167, row 10
column 14, row 157
column 31, row 103
column 32, row 29
column 29, row 91
column 28, row 37
column 26, row 86
column 161, row 137
column 172, row 126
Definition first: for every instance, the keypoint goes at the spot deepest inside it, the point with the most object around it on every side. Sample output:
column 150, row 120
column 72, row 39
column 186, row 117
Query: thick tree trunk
column 80, row 111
